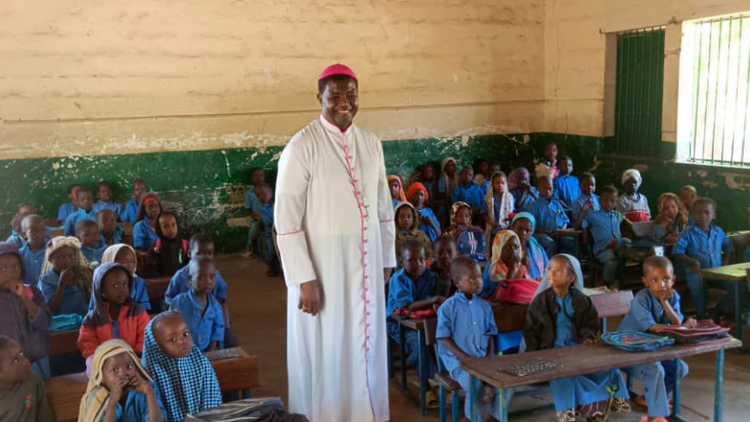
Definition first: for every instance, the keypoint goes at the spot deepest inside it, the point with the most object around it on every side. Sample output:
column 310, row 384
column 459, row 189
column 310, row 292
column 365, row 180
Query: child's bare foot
column 488, row 393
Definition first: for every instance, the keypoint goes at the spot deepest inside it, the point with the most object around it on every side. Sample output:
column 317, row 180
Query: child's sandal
column 620, row 406
column 566, row 415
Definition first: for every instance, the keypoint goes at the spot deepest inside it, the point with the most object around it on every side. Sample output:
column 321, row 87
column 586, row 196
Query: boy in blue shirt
column 198, row 307
column 411, row 287
column 109, row 232
column 200, row 245
column 701, row 246
column 253, row 204
column 266, row 217
column 468, row 191
column 131, row 208
column 567, row 188
column 652, row 308
column 605, row 229
column 104, row 196
column 66, row 209
column 87, row 232
column 35, row 248
column 465, row 329
column 587, row 202
column 85, row 203
column 550, row 217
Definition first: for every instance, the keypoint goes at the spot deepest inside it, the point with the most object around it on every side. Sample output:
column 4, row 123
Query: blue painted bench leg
column 718, row 387
column 442, row 404
column 455, row 407
column 473, row 399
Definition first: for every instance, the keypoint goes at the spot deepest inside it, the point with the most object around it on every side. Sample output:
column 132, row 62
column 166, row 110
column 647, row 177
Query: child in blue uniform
column 85, row 203
column 198, row 307
column 69, row 208
column 563, row 316
column 35, row 248
column 18, row 236
column 688, row 196
column 417, row 195
column 465, row 329
column 652, row 308
column 266, row 216
column 66, row 277
column 252, row 204
column 199, row 245
column 550, row 217
column 104, row 195
column 144, row 230
column 412, row 287
column 587, row 202
column 109, row 232
column 524, row 195
column 701, row 246
column 130, row 211
column 87, row 232
column 468, row 191
column 567, row 186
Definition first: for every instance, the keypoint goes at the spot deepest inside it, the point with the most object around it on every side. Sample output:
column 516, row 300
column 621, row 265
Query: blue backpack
column 636, row 341
column 470, row 242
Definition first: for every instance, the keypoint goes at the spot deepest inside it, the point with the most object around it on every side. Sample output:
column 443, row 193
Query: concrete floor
column 257, row 307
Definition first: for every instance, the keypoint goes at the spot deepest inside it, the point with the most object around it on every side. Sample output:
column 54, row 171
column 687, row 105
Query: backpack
column 424, row 313
column 705, row 331
column 470, row 242
column 636, row 341
column 516, row 291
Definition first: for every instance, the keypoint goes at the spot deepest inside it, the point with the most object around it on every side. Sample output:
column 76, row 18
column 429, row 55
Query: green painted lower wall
column 205, row 187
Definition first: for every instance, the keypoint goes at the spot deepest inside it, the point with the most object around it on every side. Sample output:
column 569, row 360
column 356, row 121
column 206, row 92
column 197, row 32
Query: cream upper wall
column 82, row 77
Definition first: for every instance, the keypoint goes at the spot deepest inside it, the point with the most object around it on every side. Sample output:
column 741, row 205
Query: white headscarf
column 632, row 173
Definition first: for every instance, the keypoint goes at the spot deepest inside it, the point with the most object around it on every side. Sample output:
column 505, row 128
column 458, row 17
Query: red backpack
column 516, row 291
column 704, row 331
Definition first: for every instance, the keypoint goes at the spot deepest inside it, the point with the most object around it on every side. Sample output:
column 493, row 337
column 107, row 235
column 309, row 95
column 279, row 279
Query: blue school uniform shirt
column 549, row 214
column 130, row 211
column 70, row 223
column 528, row 200
column 471, row 194
column 16, row 240
column 116, row 237
column 251, row 200
column 144, row 237
column 73, row 301
column 577, row 205
column 266, row 213
column 139, row 293
column 93, row 254
column 469, row 323
column 706, row 248
column 181, row 284
column 65, row 210
column 605, row 228
column 442, row 188
column 136, row 406
column 430, row 186
column 646, row 310
column 567, row 188
column 395, row 203
column 659, row 235
column 403, row 291
column 112, row 206
column 431, row 232
column 34, row 262
column 204, row 328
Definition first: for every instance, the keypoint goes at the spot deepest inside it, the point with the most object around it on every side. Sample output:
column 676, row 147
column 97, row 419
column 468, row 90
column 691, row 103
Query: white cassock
column 334, row 219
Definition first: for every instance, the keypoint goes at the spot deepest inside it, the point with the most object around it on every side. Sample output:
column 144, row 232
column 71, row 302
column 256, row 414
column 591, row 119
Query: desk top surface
column 734, row 272
column 579, row 360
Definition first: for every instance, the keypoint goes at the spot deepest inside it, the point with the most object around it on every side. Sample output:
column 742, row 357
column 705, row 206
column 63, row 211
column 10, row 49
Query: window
column 638, row 102
column 714, row 92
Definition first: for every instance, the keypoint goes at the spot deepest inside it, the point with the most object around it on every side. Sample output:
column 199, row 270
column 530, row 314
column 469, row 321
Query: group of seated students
column 141, row 366
column 527, row 240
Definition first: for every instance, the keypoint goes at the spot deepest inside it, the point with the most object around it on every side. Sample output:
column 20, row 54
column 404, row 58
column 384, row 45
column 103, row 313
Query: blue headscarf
column 538, row 259
column 187, row 385
column 577, row 284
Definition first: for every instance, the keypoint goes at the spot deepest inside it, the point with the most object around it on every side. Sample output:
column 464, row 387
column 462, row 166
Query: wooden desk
column 236, row 374
column 738, row 275
column 599, row 358
column 157, row 287
column 64, row 395
column 63, row 343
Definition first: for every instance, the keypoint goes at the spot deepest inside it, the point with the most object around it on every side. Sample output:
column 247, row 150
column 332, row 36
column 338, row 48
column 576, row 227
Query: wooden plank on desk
column 237, row 373
column 735, row 272
column 612, row 304
column 63, row 343
column 64, row 394
column 579, row 360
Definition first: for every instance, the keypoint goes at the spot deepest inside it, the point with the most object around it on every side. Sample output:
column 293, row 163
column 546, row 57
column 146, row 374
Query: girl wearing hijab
column 533, row 256
column 407, row 228
column 632, row 204
column 428, row 223
column 497, row 206
column 119, row 389
column 170, row 252
column 397, row 189
column 507, row 262
column 562, row 316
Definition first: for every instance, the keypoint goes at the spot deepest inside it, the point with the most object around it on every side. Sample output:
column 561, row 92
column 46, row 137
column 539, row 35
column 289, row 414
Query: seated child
column 671, row 221
column 397, row 190
column 587, row 202
column 184, row 377
column 468, row 191
column 701, row 246
column 34, row 249
column 605, row 229
column 18, row 236
column 563, row 316
column 688, row 195
column 465, row 329
column 119, row 389
column 482, row 171
column 448, row 178
column 426, row 176
column 428, row 222
column 632, row 204
column 110, row 232
column 497, row 206
column 506, row 263
column 524, row 195
column 87, row 232
column 407, row 229
column 652, row 308
column 445, row 253
column 411, row 287
column 550, row 217
column 124, row 255
column 470, row 240
column 493, row 168
column 548, row 165
column 533, row 255
column 170, row 252
column 104, row 195
column 69, row 208
column 130, row 211
column 198, row 307
column 567, row 187
column 144, row 230
column 115, row 315
column 66, row 277
column 85, row 203
column 200, row 245
column 253, row 204
column 24, row 398
column 25, row 312
column 266, row 217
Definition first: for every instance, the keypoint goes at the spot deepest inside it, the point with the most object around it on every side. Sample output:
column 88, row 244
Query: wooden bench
column 157, row 287
column 740, row 241
column 63, row 343
column 234, row 374
column 127, row 233
column 609, row 305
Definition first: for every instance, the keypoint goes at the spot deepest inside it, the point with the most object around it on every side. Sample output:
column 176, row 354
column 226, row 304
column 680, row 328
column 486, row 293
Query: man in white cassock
column 334, row 219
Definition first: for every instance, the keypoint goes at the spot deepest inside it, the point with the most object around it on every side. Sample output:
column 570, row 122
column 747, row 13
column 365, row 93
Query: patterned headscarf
column 634, row 174
column 99, row 316
column 187, row 385
column 94, row 402
column 400, row 187
column 454, row 210
column 84, row 273
column 515, row 177
column 506, row 204
column 498, row 269
column 577, row 284
column 447, row 180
